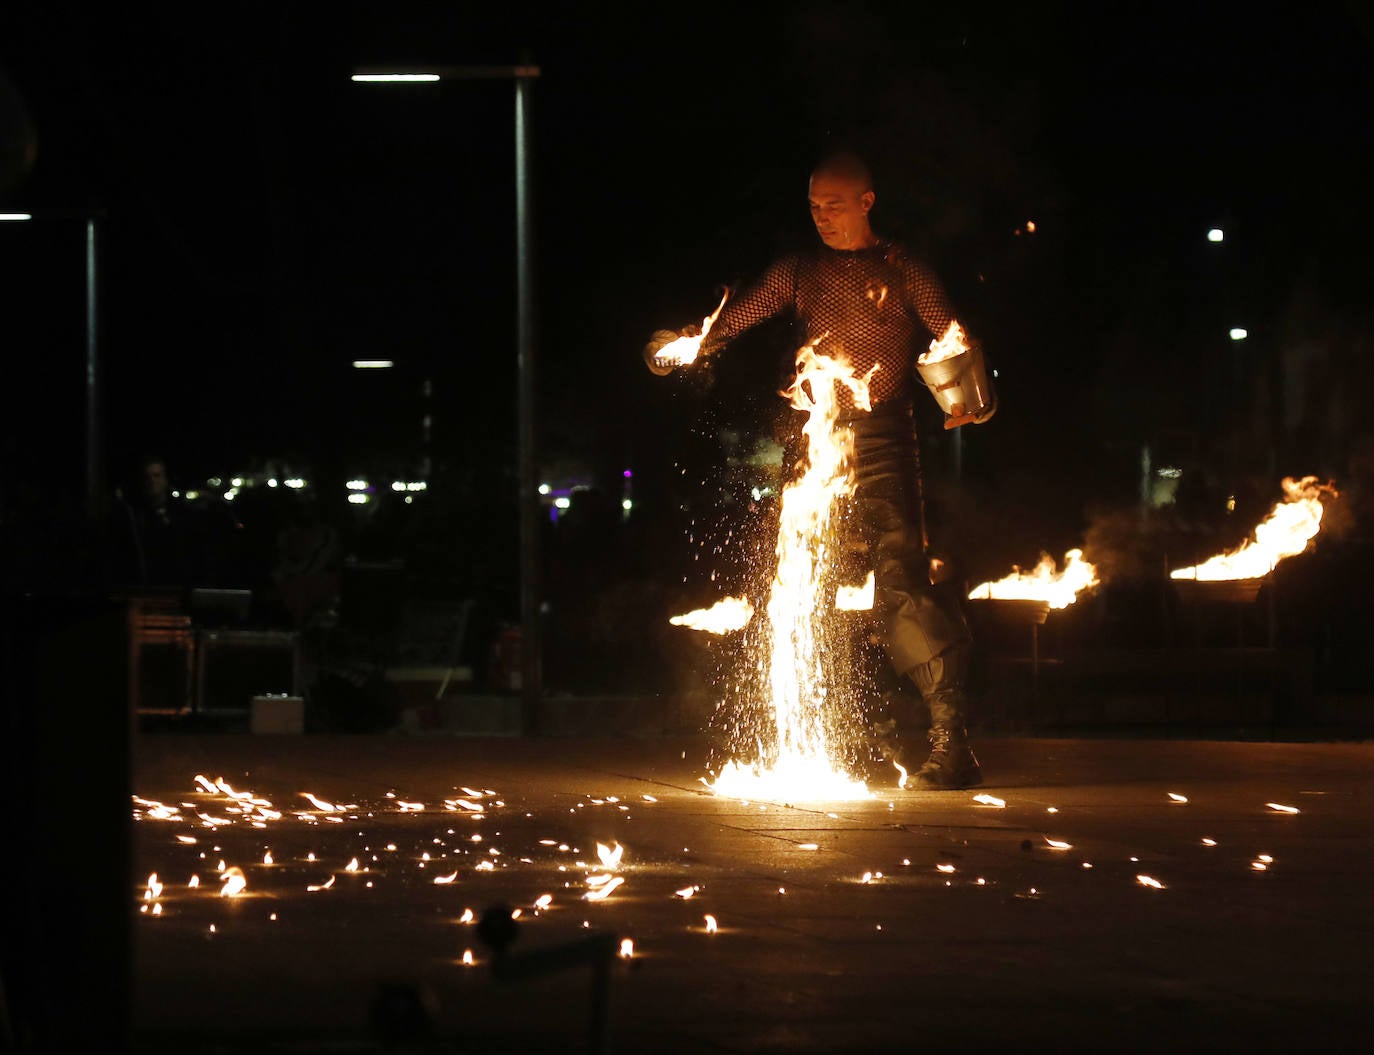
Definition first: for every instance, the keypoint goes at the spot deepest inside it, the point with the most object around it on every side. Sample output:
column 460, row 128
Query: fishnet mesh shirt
column 879, row 305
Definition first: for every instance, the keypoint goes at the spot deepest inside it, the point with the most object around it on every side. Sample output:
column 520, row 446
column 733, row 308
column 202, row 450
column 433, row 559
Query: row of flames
column 1286, row 532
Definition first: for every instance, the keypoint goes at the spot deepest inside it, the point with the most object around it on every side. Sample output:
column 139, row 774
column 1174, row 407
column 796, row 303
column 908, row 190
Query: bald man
column 878, row 304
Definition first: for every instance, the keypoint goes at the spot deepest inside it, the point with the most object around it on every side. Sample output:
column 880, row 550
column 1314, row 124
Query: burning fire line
column 724, row 617
column 1058, row 587
column 1285, row 532
column 798, row 763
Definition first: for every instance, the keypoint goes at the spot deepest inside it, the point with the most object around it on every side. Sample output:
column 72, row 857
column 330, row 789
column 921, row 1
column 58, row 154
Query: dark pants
column 921, row 624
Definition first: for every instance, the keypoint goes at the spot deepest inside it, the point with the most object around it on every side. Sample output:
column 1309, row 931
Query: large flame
column 1285, row 532
column 684, row 350
column 725, row 616
column 954, row 342
column 1059, row 588
column 801, row 765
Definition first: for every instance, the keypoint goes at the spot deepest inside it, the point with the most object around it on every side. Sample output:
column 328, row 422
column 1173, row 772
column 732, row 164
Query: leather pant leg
column 921, row 624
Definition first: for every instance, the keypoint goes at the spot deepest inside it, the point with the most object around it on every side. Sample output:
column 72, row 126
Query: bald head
column 841, row 195
column 847, row 167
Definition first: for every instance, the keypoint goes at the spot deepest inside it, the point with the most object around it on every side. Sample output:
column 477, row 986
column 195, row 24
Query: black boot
column 952, row 764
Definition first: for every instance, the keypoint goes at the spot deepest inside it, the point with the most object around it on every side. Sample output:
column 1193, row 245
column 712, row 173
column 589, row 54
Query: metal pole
column 92, row 375
column 531, row 646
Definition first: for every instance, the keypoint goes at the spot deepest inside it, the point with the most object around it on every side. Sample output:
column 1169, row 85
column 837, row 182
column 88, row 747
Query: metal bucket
column 959, row 384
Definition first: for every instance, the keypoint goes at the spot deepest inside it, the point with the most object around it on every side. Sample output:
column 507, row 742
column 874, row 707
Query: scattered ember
column 1175, row 797
column 627, row 948
column 1058, row 844
column 1207, row 841
column 323, row 886
column 467, row 916
column 990, row 800
column 468, row 961
column 442, row 880
column 1279, row 807
column 233, row 882
column 603, row 891
column 610, row 855
column 1149, row 881
column 711, row 926
column 901, row 778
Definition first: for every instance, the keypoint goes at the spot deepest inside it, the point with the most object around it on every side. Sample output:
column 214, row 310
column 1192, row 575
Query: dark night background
column 268, row 222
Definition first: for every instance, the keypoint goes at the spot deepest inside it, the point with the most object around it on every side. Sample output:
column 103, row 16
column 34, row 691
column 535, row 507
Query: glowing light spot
column 990, row 800
column 1149, row 881
column 1279, row 807
column 711, row 925
column 1175, row 797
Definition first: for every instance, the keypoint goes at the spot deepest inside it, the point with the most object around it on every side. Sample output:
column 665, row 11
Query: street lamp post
column 91, row 477
column 531, row 651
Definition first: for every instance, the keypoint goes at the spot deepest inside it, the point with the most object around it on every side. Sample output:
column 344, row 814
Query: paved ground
column 979, row 935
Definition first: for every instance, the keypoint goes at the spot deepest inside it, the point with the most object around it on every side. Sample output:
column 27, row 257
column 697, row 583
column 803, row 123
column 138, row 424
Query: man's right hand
column 660, row 340
column 657, row 342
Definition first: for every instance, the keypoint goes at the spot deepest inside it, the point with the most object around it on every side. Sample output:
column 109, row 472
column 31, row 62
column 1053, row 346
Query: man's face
column 839, row 209
column 155, row 483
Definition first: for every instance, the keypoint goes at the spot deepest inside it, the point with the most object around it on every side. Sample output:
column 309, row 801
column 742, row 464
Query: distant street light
column 522, row 76
column 1239, row 333
column 1216, row 234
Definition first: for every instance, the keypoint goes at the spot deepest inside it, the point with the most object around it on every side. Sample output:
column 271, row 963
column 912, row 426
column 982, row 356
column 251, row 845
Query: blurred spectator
column 306, row 574
column 154, row 539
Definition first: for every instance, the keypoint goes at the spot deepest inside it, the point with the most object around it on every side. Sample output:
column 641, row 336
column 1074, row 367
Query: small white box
column 277, row 714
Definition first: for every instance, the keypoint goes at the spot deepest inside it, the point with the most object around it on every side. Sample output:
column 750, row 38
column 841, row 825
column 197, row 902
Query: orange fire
column 799, row 765
column 953, row 343
column 725, row 616
column 855, row 598
column 683, row 351
column 1285, row 532
column 1058, row 587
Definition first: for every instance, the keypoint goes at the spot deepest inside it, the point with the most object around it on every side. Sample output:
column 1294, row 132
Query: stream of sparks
column 800, row 764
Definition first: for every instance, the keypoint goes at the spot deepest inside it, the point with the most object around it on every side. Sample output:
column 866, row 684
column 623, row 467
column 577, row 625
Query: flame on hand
column 684, row 350
column 1046, row 582
column 1285, row 532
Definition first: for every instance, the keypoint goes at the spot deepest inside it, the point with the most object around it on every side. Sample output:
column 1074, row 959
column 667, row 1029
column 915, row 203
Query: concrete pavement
column 972, row 932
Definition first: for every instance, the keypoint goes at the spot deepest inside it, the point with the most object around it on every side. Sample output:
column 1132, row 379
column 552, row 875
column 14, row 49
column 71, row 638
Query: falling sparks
column 322, row 886
column 352, row 865
column 186, row 840
column 233, row 882
column 1208, row 841
column 1259, row 866
column 319, row 804
column 1176, row 797
column 1279, row 807
column 267, row 858
column 627, row 948
column 467, row 916
column 684, row 350
column 193, row 882
column 724, row 617
column 711, row 925
column 944, row 868
column 808, row 846
column 1057, row 587
column 468, row 961
column 410, row 807
column 154, row 889
column 1285, row 532
column 1149, row 881
column 797, row 764
column 1057, row 844
column 990, row 800
column 685, row 892
column 444, row 880
column 543, row 901
column 901, row 775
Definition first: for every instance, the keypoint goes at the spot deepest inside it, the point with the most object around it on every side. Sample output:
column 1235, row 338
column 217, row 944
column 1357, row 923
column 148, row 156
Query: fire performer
column 873, row 302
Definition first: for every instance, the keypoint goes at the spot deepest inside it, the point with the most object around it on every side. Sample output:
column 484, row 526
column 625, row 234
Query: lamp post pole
column 531, row 650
